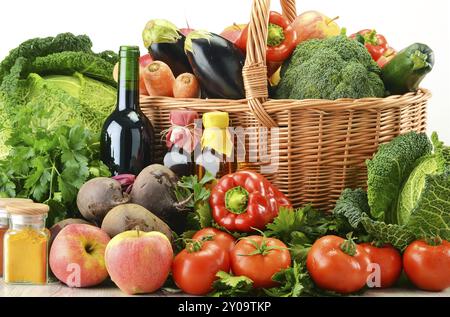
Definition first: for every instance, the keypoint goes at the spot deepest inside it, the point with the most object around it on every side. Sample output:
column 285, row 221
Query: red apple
column 233, row 32
column 186, row 31
column 77, row 255
column 139, row 262
column 314, row 25
column 57, row 227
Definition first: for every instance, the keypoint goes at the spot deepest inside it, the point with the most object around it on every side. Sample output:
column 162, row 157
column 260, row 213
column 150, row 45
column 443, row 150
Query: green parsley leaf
column 228, row 285
column 312, row 223
column 195, row 194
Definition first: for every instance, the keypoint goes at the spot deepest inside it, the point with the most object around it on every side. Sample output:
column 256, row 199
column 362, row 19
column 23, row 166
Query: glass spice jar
column 26, row 245
column 4, row 222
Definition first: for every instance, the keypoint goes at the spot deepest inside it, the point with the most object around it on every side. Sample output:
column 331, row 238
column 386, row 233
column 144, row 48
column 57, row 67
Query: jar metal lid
column 27, row 209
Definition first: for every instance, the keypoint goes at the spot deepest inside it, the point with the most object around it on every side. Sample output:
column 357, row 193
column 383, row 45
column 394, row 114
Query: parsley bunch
column 49, row 161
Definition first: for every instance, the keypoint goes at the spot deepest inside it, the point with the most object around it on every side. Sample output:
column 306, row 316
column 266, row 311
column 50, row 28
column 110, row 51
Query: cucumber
column 407, row 69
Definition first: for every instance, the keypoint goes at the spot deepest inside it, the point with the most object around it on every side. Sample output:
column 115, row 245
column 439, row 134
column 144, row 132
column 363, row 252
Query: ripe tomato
column 221, row 238
column 389, row 260
column 194, row 269
column 259, row 258
column 333, row 269
column 428, row 266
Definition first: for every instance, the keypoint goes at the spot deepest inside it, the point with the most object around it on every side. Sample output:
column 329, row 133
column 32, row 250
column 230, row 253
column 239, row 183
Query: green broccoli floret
column 331, row 68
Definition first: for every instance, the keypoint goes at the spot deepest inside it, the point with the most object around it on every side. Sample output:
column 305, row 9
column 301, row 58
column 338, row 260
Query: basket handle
column 255, row 70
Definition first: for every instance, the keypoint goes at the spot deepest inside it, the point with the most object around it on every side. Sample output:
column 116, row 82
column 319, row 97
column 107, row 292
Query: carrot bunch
column 157, row 79
column 160, row 81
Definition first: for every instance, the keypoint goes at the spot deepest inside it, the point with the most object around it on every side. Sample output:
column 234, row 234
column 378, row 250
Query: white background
column 115, row 22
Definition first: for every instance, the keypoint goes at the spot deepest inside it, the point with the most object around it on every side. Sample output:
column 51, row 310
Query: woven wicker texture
column 323, row 144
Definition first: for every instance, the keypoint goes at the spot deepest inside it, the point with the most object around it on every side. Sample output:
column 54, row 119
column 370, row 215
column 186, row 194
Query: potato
column 131, row 216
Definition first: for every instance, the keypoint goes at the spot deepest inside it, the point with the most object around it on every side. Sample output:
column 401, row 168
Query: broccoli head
column 331, row 68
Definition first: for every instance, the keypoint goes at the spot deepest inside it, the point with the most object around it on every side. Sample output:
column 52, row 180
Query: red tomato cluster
column 340, row 265
column 194, row 269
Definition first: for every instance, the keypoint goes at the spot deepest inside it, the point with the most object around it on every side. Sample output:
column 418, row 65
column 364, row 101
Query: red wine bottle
column 127, row 137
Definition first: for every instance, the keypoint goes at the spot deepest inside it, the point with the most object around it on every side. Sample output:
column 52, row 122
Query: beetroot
column 154, row 189
column 126, row 181
column 130, row 217
column 98, row 196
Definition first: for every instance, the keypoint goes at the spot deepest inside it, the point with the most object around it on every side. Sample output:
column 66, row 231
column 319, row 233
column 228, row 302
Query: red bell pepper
column 281, row 38
column 245, row 200
column 386, row 57
column 375, row 43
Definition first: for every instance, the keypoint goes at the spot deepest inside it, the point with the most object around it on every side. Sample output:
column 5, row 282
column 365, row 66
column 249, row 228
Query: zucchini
column 407, row 69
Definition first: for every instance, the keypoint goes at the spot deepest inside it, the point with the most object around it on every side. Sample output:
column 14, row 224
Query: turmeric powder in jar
column 4, row 222
column 26, row 245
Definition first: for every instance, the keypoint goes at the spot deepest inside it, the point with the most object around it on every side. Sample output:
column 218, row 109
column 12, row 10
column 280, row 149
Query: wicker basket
column 323, row 144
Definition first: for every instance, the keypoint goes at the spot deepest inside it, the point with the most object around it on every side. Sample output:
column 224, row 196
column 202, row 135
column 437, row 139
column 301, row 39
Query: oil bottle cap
column 216, row 119
column 183, row 117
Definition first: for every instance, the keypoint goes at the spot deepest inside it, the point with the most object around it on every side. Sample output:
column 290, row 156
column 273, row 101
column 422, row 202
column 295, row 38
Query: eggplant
column 217, row 63
column 165, row 43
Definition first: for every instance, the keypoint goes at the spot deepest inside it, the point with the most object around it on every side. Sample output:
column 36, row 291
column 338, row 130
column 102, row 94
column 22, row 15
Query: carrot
column 186, row 86
column 142, row 88
column 159, row 79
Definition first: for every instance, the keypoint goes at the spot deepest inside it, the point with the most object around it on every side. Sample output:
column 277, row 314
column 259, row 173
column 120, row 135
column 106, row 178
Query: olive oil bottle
column 182, row 142
column 217, row 155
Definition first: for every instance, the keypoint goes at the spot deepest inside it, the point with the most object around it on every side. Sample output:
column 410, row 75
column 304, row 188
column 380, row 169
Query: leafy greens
column 389, row 169
column 55, row 94
column 422, row 208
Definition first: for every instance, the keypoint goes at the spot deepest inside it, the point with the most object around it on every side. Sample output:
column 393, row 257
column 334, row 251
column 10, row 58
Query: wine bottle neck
column 128, row 85
column 127, row 99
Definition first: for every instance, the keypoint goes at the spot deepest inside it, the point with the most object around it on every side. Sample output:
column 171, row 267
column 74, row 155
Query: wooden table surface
column 109, row 290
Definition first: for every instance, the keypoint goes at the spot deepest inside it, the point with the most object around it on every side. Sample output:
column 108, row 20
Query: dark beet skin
column 154, row 189
column 133, row 217
column 98, row 196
